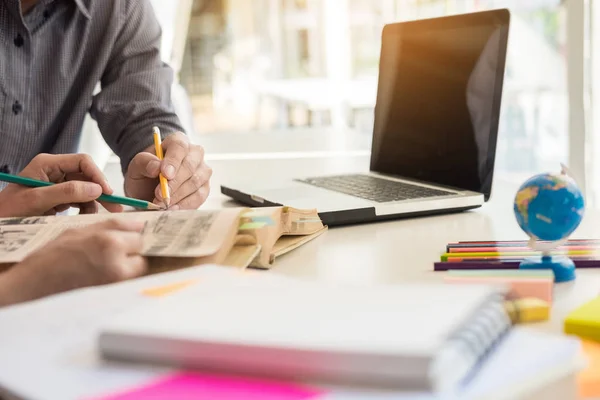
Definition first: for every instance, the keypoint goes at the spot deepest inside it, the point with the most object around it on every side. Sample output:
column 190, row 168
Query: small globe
column 549, row 207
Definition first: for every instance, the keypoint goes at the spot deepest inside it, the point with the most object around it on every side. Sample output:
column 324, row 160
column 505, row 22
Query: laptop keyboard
column 374, row 189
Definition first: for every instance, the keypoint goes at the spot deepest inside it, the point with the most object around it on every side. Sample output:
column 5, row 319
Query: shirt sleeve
column 136, row 86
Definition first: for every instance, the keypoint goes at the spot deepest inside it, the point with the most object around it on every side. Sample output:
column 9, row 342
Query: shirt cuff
column 144, row 141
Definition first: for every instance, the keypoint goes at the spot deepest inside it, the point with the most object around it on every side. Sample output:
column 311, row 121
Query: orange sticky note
column 165, row 290
column 589, row 379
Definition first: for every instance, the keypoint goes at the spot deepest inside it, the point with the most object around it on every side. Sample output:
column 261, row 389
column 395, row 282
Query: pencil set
column 509, row 254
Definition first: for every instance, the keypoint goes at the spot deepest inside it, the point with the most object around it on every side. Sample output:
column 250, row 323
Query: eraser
column 527, row 310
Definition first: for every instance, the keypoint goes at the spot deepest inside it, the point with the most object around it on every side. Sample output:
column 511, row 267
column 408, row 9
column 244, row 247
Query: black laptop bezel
column 499, row 17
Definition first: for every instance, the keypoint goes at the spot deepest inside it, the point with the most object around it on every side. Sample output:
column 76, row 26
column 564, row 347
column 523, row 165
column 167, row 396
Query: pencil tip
column 167, row 203
column 152, row 206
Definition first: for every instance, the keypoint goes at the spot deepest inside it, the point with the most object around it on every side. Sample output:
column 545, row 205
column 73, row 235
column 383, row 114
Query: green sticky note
column 252, row 225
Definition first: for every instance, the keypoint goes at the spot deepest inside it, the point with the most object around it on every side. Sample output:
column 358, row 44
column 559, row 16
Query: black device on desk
column 435, row 131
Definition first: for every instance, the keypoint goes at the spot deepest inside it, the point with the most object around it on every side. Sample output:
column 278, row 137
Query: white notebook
column 409, row 336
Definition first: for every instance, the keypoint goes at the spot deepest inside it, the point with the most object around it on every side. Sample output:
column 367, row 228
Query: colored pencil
column 504, row 243
column 508, row 258
column 514, row 264
column 164, row 184
column 142, row 204
column 492, row 254
column 459, row 250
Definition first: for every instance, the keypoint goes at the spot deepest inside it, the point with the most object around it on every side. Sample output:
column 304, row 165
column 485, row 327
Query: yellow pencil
column 164, row 185
column 516, row 254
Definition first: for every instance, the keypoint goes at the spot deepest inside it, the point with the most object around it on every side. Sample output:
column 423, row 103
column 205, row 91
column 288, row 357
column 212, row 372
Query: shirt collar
column 83, row 8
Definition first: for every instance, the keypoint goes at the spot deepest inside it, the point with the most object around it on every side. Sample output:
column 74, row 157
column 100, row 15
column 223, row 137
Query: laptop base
column 345, row 217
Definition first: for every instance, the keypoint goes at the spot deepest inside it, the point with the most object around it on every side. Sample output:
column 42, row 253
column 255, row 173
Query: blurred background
column 248, row 66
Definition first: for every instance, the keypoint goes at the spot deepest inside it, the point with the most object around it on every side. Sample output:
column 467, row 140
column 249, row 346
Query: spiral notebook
column 409, row 336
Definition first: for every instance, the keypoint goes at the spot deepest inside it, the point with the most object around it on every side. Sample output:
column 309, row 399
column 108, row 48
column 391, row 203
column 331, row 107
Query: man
column 53, row 53
column 94, row 255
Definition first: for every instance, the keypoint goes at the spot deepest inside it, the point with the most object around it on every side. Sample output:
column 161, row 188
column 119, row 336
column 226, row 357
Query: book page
column 190, row 233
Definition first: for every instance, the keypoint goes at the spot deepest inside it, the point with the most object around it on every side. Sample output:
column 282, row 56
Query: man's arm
column 135, row 96
column 136, row 86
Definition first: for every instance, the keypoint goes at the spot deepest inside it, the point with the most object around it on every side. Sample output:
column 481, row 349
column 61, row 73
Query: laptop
column 435, row 127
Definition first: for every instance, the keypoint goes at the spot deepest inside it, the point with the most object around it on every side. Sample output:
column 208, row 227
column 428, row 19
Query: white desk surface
column 404, row 250
column 387, row 252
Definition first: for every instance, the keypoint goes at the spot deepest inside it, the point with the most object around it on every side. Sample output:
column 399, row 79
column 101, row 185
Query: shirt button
column 17, row 108
column 46, row 14
column 19, row 41
column 5, row 169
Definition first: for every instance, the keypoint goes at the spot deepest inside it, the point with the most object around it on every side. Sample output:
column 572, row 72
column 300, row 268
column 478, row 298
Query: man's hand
column 93, row 255
column 183, row 166
column 79, row 182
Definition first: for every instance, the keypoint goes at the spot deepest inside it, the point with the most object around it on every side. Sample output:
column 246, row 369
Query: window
column 258, row 65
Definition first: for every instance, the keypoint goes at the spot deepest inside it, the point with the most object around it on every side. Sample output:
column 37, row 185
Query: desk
column 386, row 252
column 404, row 250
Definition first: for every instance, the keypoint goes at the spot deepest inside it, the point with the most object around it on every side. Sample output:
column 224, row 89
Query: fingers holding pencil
column 171, row 172
column 164, row 184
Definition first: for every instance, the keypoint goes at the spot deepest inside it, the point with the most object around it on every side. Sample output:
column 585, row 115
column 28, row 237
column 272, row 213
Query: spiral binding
column 471, row 343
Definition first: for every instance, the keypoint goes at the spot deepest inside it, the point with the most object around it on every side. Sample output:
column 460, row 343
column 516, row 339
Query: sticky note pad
column 522, row 283
column 585, row 321
column 190, row 386
column 588, row 380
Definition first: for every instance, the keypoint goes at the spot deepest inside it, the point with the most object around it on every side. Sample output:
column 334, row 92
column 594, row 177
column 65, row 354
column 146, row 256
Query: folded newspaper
column 239, row 237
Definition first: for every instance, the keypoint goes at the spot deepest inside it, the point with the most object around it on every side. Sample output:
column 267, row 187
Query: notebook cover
column 296, row 328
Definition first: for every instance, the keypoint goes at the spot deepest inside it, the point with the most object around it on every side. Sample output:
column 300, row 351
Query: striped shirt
column 51, row 61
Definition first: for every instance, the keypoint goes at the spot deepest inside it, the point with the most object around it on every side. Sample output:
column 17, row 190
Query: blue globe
column 549, row 207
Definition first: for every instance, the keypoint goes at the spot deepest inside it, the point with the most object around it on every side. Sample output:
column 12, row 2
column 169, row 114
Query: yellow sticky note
column 585, row 321
column 589, row 379
column 165, row 290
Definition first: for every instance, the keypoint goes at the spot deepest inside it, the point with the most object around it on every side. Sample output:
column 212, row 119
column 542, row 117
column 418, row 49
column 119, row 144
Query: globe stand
column 563, row 267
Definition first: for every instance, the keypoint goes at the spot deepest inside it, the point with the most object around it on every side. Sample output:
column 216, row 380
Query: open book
column 239, row 237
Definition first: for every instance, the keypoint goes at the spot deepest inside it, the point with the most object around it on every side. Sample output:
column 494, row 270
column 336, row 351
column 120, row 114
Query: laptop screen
column 438, row 100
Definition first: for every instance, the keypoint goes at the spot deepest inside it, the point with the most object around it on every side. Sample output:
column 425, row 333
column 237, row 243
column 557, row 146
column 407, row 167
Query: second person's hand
column 78, row 183
column 98, row 254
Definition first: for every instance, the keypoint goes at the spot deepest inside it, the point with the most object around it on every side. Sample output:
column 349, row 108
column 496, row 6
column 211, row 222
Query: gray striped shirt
column 52, row 60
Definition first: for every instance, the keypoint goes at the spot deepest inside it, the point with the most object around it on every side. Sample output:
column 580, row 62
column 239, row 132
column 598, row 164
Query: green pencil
column 126, row 201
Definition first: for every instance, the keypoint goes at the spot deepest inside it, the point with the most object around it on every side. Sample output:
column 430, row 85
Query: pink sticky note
column 191, row 386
